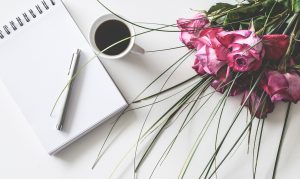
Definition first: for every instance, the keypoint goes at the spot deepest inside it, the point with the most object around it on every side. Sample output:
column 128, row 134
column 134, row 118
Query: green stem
column 290, row 24
column 269, row 14
column 284, row 62
column 137, row 25
column 258, row 148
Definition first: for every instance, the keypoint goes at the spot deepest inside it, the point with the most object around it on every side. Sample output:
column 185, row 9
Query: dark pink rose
column 190, row 28
column 257, row 105
column 282, row 86
column 211, row 54
column 246, row 49
column 275, row 45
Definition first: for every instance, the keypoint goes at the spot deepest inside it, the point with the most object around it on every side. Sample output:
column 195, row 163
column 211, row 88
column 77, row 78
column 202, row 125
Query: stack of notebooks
column 36, row 49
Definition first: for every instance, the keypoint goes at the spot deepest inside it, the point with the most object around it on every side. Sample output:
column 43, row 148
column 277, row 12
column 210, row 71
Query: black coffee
column 110, row 32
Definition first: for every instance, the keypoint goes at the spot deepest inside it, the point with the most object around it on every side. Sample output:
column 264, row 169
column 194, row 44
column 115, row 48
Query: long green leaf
column 236, row 142
column 203, row 131
column 168, row 89
column 170, row 113
column 148, row 114
column 261, row 101
column 231, row 125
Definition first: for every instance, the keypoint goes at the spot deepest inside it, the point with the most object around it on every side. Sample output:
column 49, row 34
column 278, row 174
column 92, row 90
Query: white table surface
column 22, row 156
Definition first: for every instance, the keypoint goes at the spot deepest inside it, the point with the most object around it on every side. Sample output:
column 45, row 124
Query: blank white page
column 34, row 62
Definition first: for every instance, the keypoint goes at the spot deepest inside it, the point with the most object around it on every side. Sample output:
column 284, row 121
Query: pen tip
column 59, row 127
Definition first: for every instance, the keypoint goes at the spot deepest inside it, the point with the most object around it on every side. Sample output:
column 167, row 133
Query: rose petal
column 294, row 86
column 198, row 67
column 226, row 38
column 276, row 82
column 188, row 39
column 209, row 60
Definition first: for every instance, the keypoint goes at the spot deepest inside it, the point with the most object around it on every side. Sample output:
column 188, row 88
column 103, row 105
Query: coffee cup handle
column 136, row 49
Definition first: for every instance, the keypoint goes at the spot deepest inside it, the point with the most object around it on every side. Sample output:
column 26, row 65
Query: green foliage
column 286, row 3
column 296, row 5
column 220, row 7
column 259, row 23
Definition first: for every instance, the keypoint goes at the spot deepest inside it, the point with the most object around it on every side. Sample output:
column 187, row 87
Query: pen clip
column 73, row 60
column 71, row 64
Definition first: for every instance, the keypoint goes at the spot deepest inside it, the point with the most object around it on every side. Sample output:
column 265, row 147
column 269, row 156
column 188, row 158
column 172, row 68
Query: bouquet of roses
column 269, row 55
column 249, row 49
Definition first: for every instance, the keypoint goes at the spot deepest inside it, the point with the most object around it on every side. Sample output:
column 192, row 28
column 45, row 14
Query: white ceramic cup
column 132, row 47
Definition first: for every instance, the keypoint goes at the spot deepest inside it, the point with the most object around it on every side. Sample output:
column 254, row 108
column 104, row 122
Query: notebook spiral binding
column 44, row 6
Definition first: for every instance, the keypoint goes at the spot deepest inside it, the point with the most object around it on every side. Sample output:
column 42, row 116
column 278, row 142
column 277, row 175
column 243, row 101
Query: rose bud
column 275, row 45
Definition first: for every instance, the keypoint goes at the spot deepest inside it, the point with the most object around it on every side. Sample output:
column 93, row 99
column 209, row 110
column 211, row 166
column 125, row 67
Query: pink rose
column 211, row 54
column 190, row 28
column 256, row 104
column 275, row 45
column 246, row 49
column 282, row 86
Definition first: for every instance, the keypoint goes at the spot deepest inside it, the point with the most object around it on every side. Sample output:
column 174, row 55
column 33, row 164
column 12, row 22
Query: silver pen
column 72, row 70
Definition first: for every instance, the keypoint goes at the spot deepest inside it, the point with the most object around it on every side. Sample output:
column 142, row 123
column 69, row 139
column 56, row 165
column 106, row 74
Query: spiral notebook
column 36, row 49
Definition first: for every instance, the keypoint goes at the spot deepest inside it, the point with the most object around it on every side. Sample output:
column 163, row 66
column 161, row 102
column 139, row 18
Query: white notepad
column 34, row 62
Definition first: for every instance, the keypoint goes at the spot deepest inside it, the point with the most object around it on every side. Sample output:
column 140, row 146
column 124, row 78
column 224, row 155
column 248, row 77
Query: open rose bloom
column 223, row 54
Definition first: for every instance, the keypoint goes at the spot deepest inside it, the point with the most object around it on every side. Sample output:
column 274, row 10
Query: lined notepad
column 35, row 53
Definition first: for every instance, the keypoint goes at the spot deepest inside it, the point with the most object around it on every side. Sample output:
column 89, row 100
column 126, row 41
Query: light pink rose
column 246, row 49
column 211, row 54
column 190, row 29
column 197, row 23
